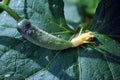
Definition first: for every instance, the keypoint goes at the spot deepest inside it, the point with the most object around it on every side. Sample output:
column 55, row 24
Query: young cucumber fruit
column 46, row 40
column 40, row 37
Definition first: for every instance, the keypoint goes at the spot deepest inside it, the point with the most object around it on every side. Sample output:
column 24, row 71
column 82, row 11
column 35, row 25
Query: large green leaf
column 20, row 59
column 106, row 20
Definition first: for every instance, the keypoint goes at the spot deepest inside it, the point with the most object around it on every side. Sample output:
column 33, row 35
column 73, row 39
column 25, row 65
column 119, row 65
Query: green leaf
column 106, row 20
column 89, row 6
column 100, row 60
column 20, row 59
column 104, row 42
column 78, row 11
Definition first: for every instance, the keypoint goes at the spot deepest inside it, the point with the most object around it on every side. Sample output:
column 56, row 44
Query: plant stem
column 10, row 11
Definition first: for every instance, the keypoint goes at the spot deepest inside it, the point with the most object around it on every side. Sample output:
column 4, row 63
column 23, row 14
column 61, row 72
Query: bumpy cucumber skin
column 40, row 37
column 6, row 2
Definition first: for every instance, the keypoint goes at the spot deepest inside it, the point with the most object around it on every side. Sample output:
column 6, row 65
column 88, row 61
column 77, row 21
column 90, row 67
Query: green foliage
column 20, row 59
column 106, row 20
column 89, row 5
